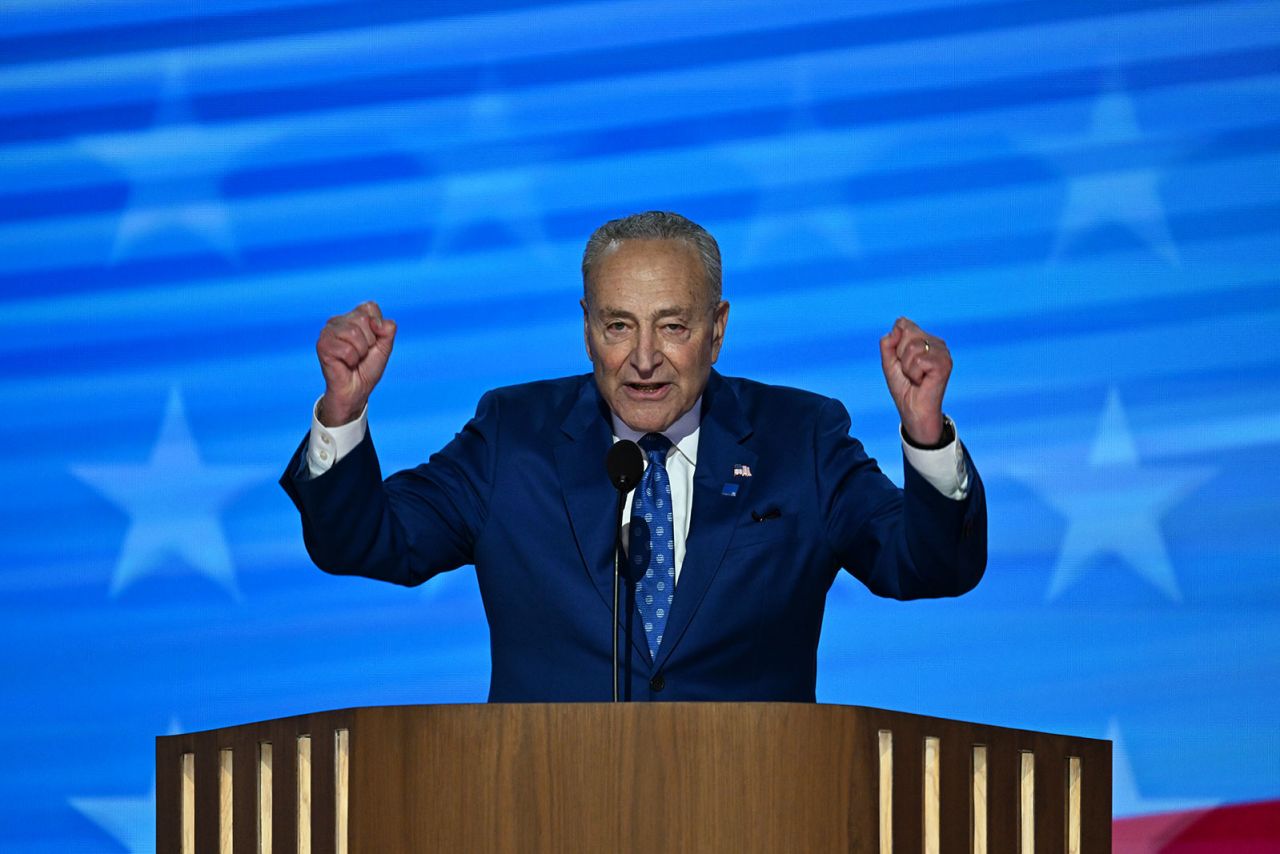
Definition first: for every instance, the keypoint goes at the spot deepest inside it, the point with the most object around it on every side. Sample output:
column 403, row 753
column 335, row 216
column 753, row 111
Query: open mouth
column 648, row 389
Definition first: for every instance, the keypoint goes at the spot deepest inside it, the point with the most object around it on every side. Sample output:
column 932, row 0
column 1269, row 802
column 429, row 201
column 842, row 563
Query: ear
column 586, row 328
column 718, row 324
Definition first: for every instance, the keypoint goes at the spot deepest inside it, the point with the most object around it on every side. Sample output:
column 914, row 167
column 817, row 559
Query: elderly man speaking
column 752, row 498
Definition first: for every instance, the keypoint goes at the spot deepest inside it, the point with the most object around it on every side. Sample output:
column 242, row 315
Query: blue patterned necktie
column 652, row 541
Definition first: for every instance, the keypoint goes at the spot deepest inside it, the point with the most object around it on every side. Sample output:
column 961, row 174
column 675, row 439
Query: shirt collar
column 683, row 433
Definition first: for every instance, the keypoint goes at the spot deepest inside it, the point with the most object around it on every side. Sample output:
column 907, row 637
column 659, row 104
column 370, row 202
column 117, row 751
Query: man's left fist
column 916, row 366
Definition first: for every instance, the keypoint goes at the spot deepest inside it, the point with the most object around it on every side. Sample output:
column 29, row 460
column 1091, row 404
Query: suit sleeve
column 908, row 543
column 416, row 523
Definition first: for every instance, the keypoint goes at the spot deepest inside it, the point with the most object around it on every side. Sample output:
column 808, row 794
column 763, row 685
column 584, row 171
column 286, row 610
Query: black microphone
column 625, row 465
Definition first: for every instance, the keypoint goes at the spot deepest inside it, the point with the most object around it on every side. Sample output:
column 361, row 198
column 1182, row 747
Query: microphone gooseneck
column 625, row 466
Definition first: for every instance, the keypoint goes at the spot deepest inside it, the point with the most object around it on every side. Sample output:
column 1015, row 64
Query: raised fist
column 916, row 366
column 353, row 350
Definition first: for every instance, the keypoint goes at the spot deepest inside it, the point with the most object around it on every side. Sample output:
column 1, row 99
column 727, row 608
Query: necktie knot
column 655, row 447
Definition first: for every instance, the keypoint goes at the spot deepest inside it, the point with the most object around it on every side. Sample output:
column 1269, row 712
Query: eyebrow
column 664, row 311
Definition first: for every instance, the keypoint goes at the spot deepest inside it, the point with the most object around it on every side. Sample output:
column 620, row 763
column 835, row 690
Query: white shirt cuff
column 327, row 445
column 944, row 468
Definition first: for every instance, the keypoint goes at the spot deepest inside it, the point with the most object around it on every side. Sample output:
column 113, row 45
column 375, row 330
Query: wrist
column 335, row 413
column 943, row 436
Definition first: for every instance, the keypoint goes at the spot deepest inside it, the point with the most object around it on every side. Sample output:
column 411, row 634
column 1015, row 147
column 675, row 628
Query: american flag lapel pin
column 742, row 471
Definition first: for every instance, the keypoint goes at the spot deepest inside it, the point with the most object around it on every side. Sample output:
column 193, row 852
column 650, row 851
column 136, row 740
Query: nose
column 646, row 355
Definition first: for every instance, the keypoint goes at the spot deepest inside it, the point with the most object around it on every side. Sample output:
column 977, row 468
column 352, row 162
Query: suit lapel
column 591, row 500
column 714, row 514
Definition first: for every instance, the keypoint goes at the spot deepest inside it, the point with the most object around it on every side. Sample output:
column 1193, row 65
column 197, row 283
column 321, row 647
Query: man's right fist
column 353, row 350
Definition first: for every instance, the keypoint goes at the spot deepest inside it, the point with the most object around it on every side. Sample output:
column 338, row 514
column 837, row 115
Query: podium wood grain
column 654, row 777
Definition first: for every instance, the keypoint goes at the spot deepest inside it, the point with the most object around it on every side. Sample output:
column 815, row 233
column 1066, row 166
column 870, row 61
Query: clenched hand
column 916, row 366
column 353, row 350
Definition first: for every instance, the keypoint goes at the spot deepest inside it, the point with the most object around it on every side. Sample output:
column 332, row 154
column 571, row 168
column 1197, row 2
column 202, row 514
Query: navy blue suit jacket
column 521, row 493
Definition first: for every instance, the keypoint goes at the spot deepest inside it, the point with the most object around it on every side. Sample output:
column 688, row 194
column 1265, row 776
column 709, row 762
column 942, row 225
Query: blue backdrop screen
column 1082, row 198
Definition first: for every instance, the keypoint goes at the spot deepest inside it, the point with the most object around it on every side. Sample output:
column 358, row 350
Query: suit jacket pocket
column 775, row 530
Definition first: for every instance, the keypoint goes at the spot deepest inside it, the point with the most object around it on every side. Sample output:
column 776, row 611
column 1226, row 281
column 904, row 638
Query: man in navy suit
column 754, row 496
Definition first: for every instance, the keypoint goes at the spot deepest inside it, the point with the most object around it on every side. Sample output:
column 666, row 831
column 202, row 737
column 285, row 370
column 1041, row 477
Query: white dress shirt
column 682, row 459
column 944, row 468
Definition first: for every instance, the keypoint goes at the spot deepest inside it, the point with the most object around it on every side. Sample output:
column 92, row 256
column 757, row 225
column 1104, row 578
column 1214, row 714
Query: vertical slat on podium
column 957, row 780
column 187, row 799
column 226, row 790
column 1026, row 801
column 883, row 754
column 979, row 811
column 954, row 785
column 266, row 763
column 302, row 795
column 931, row 813
column 884, row 790
column 1073, row 805
column 342, row 789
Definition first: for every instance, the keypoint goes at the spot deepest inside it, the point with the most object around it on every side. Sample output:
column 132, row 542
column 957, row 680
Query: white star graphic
column 503, row 198
column 131, row 821
column 173, row 501
column 790, row 209
column 1114, row 505
column 173, row 171
column 1127, row 195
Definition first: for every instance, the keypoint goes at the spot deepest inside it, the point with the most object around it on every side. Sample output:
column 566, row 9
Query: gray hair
column 655, row 225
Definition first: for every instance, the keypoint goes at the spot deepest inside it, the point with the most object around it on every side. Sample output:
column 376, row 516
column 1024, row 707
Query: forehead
column 645, row 273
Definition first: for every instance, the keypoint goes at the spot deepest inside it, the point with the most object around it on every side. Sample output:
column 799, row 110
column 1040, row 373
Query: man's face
column 652, row 333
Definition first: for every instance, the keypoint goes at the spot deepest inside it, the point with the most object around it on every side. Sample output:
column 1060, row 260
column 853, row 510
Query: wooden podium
column 644, row 777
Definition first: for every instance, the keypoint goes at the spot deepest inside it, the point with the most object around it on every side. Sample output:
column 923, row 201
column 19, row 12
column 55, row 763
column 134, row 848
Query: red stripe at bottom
column 1236, row 829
